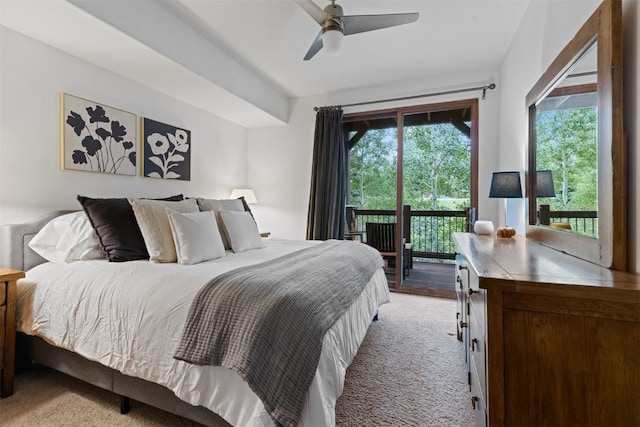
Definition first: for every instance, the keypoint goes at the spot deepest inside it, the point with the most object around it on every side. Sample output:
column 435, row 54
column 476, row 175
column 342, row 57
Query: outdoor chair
column 382, row 236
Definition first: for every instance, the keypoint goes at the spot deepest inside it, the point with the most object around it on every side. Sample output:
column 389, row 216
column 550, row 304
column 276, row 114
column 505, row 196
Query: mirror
column 576, row 176
column 567, row 148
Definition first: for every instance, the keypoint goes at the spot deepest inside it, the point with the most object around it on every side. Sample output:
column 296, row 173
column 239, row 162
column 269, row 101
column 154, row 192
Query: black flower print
column 76, row 122
column 97, row 114
column 79, row 157
column 117, row 131
column 103, row 133
column 92, row 145
column 101, row 144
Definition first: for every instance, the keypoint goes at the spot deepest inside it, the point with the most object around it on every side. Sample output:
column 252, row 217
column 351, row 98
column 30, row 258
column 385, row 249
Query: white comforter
column 129, row 316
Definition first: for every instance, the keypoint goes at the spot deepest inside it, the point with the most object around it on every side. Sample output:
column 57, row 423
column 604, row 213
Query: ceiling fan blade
column 315, row 11
column 362, row 23
column 315, row 47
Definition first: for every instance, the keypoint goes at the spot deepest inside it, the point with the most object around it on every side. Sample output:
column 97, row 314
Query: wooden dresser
column 550, row 340
column 8, row 295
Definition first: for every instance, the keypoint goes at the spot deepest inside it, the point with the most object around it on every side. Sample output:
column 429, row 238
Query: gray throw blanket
column 267, row 321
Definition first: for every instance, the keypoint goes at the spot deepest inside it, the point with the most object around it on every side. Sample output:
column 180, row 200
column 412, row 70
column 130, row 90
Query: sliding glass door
column 438, row 190
column 415, row 168
column 373, row 178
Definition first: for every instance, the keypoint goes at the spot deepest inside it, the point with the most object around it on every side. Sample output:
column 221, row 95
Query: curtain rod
column 404, row 98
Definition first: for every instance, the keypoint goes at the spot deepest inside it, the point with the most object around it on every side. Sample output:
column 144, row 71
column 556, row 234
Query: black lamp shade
column 544, row 184
column 506, row 185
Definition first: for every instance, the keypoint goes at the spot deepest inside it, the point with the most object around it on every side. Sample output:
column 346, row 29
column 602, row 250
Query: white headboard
column 14, row 242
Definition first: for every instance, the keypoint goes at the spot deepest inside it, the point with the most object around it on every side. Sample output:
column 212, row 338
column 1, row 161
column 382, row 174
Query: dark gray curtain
column 326, row 217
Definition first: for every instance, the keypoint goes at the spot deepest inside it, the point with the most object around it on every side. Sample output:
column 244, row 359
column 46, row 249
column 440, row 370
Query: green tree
column 436, row 163
column 437, row 159
column 372, row 165
column 567, row 145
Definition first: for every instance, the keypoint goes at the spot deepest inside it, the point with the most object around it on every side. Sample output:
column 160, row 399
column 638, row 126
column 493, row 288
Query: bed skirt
column 34, row 349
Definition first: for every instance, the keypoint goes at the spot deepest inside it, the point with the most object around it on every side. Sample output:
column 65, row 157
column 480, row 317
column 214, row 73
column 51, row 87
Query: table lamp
column 247, row 193
column 505, row 185
column 544, row 184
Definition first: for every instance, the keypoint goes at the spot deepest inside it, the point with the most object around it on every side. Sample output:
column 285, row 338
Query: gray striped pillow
column 153, row 221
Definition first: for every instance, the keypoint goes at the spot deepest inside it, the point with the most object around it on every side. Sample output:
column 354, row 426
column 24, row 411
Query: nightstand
column 8, row 296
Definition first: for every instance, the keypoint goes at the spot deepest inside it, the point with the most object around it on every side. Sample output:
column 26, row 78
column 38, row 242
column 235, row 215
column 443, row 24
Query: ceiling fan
column 335, row 25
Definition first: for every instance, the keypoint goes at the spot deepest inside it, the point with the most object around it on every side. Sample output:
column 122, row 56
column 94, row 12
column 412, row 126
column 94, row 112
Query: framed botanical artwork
column 96, row 137
column 166, row 150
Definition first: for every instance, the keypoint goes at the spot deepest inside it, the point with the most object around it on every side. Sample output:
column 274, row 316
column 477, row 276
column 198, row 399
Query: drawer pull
column 462, row 267
column 474, row 400
column 474, row 342
column 471, row 292
column 463, row 325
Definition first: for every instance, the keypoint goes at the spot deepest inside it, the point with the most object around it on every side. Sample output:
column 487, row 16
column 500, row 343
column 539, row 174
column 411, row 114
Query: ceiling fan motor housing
column 332, row 21
column 335, row 23
column 334, row 10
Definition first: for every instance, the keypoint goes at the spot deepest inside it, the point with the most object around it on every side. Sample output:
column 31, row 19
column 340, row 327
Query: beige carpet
column 409, row 371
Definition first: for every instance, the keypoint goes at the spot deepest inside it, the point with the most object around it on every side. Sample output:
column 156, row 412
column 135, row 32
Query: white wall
column 533, row 48
column 280, row 158
column 31, row 182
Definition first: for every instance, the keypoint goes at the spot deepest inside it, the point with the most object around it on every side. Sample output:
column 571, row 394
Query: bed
column 127, row 345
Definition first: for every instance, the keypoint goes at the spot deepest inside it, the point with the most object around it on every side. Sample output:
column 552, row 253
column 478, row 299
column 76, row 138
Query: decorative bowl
column 483, row 227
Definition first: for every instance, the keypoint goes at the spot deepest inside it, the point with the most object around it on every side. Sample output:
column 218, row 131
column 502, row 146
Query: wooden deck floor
column 427, row 278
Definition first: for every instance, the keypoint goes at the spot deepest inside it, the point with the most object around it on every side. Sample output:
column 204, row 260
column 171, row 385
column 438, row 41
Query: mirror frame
column 610, row 248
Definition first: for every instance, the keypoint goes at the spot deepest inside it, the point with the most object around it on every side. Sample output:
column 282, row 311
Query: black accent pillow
column 246, row 207
column 115, row 224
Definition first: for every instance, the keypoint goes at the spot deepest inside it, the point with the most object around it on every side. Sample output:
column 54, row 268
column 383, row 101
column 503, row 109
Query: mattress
column 130, row 316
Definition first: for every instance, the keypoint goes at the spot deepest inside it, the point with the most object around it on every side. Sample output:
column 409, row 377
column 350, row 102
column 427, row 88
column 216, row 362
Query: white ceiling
column 273, row 35
column 268, row 39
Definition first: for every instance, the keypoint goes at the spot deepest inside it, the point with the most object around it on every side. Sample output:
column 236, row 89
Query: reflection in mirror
column 591, row 129
column 567, row 149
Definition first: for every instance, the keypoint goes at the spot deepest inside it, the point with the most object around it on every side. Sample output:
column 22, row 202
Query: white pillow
column 153, row 221
column 196, row 236
column 219, row 205
column 241, row 230
column 67, row 238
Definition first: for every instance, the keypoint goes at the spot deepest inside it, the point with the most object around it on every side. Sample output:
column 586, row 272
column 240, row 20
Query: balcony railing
column 583, row 222
column 429, row 231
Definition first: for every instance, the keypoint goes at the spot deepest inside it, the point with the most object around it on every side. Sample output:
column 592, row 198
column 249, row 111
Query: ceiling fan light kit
column 335, row 25
column 332, row 41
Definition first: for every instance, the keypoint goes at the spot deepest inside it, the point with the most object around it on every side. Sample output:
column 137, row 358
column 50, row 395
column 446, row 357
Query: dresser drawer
column 461, row 286
column 477, row 347
column 475, row 294
column 477, row 399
